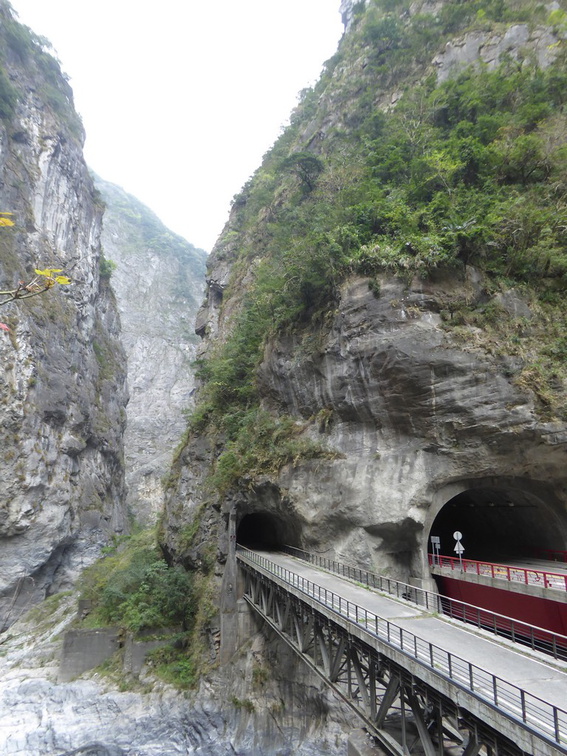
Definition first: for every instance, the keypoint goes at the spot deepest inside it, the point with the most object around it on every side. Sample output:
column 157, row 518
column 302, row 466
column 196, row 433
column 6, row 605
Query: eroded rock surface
column 158, row 281
column 410, row 411
column 414, row 416
column 488, row 48
column 62, row 374
column 256, row 715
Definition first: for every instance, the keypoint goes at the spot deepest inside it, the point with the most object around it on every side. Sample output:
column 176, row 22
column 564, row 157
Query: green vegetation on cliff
column 132, row 587
column 472, row 170
column 386, row 169
column 22, row 50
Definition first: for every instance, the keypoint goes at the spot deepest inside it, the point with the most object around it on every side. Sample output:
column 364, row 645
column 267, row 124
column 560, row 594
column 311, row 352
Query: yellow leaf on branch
column 48, row 272
column 42, row 282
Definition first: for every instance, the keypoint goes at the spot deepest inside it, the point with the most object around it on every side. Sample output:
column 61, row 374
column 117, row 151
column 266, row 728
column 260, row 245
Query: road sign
column 436, row 545
column 459, row 548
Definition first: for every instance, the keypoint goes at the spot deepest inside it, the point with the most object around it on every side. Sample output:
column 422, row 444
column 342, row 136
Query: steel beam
column 377, row 688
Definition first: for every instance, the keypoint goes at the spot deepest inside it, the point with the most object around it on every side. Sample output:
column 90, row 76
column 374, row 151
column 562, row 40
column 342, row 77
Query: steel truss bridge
column 413, row 695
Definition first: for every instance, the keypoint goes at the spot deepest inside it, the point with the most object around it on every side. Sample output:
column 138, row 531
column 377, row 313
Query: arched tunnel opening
column 497, row 524
column 265, row 531
column 521, row 523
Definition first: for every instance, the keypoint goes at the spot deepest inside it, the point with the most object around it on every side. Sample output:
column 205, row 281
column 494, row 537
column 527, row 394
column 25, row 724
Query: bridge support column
column 229, row 594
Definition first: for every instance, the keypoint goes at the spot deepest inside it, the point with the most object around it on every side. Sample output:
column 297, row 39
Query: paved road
column 544, row 680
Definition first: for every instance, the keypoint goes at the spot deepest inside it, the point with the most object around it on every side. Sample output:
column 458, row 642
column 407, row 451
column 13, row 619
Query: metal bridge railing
column 536, row 638
column 525, row 575
column 543, row 718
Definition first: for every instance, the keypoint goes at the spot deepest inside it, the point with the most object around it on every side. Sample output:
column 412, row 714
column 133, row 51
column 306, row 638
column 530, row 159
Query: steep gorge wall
column 158, row 278
column 414, row 410
column 416, row 407
column 62, row 379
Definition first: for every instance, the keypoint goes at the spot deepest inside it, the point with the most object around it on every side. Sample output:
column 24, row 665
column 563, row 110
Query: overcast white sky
column 181, row 98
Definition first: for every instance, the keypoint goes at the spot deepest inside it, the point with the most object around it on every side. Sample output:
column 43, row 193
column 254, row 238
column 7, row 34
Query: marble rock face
column 489, row 49
column 62, row 368
column 158, row 281
column 415, row 414
column 415, row 418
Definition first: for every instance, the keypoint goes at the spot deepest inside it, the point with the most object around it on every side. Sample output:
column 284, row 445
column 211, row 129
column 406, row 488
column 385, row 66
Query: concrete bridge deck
column 543, row 685
column 541, row 679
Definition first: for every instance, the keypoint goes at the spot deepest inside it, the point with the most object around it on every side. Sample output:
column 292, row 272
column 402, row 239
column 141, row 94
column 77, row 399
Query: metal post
column 403, row 712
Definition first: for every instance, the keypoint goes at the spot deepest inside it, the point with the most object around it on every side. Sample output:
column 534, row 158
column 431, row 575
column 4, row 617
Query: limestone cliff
column 158, row 281
column 405, row 333
column 62, row 375
column 383, row 349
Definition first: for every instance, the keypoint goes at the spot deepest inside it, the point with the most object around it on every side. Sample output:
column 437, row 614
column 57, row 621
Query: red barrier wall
column 539, row 612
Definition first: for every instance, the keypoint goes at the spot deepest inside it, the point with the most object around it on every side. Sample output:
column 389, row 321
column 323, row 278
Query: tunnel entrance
column 497, row 524
column 516, row 522
column 261, row 530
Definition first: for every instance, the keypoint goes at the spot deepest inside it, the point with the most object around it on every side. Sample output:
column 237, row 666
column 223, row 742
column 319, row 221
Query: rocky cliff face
column 419, row 384
column 62, row 375
column 415, row 410
column 158, row 281
column 417, row 419
column 419, row 409
column 346, row 11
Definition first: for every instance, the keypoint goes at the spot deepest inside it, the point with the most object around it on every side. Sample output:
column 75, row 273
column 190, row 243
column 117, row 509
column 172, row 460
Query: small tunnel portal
column 497, row 524
column 261, row 530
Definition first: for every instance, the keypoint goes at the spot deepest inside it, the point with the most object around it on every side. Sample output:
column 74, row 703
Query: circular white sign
column 457, row 535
